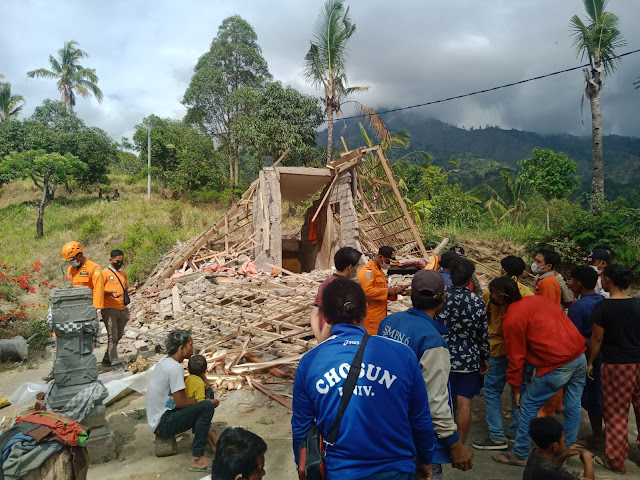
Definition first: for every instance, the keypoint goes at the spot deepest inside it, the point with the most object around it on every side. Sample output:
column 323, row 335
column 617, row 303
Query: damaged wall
column 267, row 216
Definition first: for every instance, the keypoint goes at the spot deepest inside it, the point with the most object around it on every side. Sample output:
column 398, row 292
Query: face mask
column 74, row 263
column 385, row 266
column 535, row 268
column 117, row 265
column 595, row 267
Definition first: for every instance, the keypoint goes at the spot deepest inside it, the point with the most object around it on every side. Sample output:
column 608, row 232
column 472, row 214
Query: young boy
column 198, row 387
column 546, row 460
column 240, row 456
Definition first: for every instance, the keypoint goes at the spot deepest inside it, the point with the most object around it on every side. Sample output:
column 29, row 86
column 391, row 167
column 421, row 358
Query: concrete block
column 95, row 418
column 101, row 444
column 166, row 446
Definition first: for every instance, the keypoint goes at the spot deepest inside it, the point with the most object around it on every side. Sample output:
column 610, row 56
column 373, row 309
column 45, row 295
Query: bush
column 144, row 246
column 453, row 206
column 617, row 226
column 90, row 229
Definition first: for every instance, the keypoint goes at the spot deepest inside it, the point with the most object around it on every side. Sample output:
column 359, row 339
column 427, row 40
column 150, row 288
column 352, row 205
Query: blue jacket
column 425, row 337
column 387, row 425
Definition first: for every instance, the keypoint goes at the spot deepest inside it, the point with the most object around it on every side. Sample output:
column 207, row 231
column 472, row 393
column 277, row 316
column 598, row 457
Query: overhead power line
column 477, row 92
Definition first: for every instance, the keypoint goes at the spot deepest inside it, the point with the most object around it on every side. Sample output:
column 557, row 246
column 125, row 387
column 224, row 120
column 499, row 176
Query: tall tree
column 47, row 170
column 325, row 64
column 72, row 77
column 10, row 105
column 233, row 61
column 553, row 175
column 596, row 38
column 277, row 118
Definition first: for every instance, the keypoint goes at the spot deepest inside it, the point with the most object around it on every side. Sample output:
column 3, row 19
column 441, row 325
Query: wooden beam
column 326, row 194
column 281, row 158
column 403, row 206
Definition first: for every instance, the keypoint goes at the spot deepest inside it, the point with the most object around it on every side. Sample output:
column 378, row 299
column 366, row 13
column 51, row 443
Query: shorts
column 465, row 384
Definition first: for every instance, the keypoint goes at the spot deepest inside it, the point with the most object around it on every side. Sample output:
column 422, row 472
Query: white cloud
column 409, row 52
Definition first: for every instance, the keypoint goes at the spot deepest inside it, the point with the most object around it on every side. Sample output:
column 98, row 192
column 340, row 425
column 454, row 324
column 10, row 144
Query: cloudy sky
column 409, row 51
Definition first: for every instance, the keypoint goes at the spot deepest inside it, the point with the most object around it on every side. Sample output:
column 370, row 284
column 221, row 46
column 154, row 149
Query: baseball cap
column 458, row 249
column 598, row 254
column 428, row 283
column 386, row 252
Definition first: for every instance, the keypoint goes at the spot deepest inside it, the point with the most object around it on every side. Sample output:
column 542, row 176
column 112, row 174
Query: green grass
column 100, row 225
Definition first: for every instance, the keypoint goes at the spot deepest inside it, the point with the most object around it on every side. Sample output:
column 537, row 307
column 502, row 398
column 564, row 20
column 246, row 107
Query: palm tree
column 10, row 105
column 72, row 77
column 325, row 62
column 597, row 41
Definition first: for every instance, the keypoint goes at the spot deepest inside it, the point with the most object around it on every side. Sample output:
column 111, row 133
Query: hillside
column 485, row 151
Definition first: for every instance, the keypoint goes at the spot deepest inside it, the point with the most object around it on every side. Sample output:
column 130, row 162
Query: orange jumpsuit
column 374, row 283
column 550, row 288
column 89, row 274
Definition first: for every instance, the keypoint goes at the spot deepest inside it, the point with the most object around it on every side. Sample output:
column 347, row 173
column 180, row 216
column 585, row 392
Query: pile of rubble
column 230, row 314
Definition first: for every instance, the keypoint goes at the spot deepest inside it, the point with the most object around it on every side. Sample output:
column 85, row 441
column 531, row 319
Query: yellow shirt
column 195, row 387
column 494, row 317
column 112, row 284
column 89, row 274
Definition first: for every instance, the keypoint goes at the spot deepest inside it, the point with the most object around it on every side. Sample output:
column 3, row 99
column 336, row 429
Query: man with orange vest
column 83, row 272
column 373, row 281
column 115, row 313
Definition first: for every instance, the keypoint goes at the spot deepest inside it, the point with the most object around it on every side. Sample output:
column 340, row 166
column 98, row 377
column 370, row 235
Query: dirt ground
column 136, row 451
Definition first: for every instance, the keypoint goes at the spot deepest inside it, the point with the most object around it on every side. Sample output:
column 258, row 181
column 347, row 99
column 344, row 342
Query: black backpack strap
column 347, row 391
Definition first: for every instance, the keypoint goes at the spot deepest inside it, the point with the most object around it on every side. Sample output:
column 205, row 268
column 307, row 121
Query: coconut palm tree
column 10, row 105
column 72, row 77
column 597, row 40
column 325, row 62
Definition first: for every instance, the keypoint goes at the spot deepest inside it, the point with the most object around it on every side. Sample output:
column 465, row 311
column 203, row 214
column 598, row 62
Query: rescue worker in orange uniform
column 373, row 281
column 115, row 313
column 83, row 272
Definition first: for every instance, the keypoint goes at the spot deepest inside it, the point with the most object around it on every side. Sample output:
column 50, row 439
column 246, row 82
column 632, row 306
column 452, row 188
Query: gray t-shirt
column 166, row 379
column 542, row 468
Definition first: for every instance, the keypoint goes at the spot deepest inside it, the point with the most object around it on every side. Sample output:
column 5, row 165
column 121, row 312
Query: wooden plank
column 326, row 194
column 281, row 158
column 412, row 226
column 226, row 233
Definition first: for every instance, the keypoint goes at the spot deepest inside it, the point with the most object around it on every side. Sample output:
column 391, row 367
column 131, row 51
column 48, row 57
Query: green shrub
column 617, row 226
column 453, row 206
column 90, row 229
column 144, row 247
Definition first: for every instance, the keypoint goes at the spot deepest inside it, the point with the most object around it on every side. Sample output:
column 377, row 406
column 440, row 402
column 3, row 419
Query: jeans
column 571, row 377
column 494, row 383
column 197, row 416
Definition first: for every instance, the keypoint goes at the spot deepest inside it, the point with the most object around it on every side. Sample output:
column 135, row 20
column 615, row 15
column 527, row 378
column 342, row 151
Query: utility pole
column 149, row 159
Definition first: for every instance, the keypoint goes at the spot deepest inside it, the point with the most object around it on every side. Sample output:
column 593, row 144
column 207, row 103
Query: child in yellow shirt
column 197, row 386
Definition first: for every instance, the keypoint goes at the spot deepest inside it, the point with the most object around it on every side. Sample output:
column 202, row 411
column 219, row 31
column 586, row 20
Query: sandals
column 603, row 462
column 206, row 468
column 509, row 458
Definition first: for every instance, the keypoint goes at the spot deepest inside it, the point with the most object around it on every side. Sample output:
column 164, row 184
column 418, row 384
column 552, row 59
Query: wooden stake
column 313, row 219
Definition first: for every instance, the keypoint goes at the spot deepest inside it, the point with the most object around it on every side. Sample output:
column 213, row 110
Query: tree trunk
column 43, row 203
column 548, row 208
column 236, row 163
column 597, row 178
column 330, row 136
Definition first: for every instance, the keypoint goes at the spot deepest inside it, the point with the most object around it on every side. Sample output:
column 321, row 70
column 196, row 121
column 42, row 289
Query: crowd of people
column 562, row 346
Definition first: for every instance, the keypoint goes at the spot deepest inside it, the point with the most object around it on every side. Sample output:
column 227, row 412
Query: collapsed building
column 241, row 288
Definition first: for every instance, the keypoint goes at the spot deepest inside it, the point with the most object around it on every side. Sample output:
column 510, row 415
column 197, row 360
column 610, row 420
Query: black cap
column 386, row 252
column 599, row 254
column 428, row 283
column 458, row 249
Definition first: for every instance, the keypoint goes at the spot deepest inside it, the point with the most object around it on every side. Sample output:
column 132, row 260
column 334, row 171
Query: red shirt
column 537, row 331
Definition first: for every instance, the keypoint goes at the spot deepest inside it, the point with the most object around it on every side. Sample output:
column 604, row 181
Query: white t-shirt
column 167, row 378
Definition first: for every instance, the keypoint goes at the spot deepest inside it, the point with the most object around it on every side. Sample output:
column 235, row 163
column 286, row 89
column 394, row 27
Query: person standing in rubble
column 115, row 313
column 346, row 261
column 82, row 272
column 373, row 280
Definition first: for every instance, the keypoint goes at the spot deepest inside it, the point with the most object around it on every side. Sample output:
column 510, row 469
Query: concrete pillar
column 267, row 217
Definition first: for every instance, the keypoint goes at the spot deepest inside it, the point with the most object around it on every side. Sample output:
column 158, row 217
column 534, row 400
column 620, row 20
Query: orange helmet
column 70, row 250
